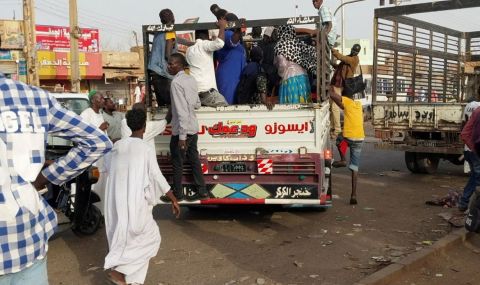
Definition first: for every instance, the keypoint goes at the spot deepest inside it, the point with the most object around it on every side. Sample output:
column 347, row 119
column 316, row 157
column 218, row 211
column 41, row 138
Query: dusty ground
column 457, row 265
column 296, row 246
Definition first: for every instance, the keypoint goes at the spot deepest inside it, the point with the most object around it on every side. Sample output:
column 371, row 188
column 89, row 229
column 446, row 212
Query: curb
column 389, row 274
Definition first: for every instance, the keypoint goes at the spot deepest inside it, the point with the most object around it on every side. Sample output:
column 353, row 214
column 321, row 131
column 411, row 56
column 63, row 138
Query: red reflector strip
column 265, row 166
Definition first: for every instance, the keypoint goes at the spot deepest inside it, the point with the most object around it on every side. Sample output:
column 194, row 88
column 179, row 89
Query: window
column 76, row 105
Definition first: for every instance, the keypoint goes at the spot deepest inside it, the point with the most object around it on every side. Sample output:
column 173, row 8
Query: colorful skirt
column 295, row 90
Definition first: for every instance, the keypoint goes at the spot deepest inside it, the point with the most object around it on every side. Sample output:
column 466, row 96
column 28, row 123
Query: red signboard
column 56, row 38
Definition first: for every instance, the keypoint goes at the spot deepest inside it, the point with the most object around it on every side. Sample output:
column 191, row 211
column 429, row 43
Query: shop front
column 12, row 58
column 54, row 69
column 53, row 56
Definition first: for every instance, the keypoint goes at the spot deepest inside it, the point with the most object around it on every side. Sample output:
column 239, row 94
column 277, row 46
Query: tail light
column 93, row 174
column 327, row 154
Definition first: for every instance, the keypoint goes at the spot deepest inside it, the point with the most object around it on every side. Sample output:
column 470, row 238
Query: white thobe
column 96, row 119
column 153, row 129
column 134, row 185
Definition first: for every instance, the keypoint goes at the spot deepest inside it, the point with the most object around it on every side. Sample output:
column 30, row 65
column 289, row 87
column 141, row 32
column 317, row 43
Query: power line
column 103, row 23
column 98, row 17
column 117, row 32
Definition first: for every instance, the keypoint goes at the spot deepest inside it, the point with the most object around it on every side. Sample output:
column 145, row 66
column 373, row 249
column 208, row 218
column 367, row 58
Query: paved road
column 297, row 246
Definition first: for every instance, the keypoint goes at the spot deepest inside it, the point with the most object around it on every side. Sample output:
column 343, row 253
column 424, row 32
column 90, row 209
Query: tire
column 411, row 162
column 427, row 163
column 90, row 223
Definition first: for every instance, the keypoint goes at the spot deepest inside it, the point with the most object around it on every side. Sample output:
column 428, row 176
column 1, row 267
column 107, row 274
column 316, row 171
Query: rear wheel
column 411, row 162
column 427, row 163
column 90, row 223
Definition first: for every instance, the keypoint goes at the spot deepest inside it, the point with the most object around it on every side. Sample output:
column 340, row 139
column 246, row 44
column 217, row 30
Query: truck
column 252, row 155
column 422, row 82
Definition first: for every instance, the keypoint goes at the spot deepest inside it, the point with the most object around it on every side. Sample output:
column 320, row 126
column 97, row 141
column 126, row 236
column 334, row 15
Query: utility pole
column 30, row 42
column 136, row 37
column 74, row 36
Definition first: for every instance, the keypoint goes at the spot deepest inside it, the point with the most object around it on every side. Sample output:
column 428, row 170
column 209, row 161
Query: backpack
column 472, row 222
column 247, row 86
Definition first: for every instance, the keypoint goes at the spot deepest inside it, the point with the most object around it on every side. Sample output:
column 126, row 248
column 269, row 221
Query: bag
column 247, row 87
column 354, row 85
column 472, row 222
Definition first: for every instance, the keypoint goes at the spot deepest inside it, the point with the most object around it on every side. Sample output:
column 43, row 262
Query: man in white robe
column 134, row 185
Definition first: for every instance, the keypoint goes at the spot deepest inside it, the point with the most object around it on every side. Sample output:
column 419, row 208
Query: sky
column 118, row 19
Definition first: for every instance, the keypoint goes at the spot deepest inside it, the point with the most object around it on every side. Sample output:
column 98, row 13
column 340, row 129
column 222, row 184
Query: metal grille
column 417, row 62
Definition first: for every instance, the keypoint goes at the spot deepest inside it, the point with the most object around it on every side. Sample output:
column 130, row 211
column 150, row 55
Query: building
column 366, row 55
column 53, row 56
column 12, row 58
column 121, row 73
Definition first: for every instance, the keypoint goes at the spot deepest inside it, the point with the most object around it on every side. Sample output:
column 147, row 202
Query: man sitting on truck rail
column 183, row 144
column 328, row 23
column 200, row 61
column 164, row 44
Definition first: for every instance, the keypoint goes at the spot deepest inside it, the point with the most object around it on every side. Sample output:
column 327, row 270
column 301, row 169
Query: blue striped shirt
column 27, row 115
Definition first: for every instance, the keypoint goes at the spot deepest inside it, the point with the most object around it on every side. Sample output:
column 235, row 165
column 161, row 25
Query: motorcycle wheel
column 91, row 222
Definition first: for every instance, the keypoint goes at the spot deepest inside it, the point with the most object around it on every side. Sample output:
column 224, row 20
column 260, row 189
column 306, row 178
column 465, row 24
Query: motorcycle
column 75, row 198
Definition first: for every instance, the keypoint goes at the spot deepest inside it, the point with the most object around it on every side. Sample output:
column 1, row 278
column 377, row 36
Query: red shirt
column 467, row 132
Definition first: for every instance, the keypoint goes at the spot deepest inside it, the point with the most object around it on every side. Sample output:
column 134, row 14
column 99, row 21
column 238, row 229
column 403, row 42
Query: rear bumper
column 230, row 201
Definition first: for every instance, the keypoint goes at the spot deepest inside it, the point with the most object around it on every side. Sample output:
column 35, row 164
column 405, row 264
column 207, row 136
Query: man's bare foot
column 117, row 278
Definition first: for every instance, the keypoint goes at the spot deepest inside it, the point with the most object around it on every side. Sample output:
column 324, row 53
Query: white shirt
column 96, row 119
column 153, row 129
column 200, row 58
column 90, row 117
column 138, row 94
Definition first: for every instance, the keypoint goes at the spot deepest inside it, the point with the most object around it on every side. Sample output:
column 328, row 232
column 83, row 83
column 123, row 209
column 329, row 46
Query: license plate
column 232, row 167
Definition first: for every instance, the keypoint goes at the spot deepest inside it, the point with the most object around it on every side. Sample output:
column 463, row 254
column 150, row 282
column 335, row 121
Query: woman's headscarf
column 294, row 50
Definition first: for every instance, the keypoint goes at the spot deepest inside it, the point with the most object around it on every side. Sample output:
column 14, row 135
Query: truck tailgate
column 418, row 116
column 245, row 129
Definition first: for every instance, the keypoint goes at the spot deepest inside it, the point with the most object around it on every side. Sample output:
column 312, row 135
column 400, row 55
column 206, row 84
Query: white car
column 76, row 102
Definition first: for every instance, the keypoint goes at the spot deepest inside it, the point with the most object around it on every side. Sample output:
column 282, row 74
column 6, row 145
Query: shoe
column 203, row 195
column 338, row 164
column 462, row 208
column 179, row 196
column 353, row 201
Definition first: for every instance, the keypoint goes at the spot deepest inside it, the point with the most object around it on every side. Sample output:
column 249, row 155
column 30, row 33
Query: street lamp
column 343, row 19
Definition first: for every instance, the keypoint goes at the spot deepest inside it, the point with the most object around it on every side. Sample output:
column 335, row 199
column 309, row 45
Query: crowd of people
column 214, row 72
